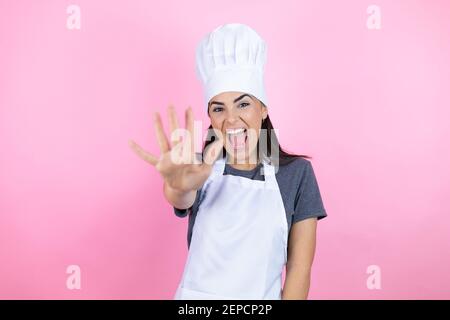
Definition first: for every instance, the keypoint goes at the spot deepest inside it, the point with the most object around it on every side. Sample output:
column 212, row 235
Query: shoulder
column 292, row 176
column 299, row 162
column 296, row 168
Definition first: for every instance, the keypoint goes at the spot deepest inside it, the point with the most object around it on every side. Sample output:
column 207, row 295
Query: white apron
column 239, row 240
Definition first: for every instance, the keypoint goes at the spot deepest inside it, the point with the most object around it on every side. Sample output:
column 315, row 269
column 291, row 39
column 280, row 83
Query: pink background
column 370, row 106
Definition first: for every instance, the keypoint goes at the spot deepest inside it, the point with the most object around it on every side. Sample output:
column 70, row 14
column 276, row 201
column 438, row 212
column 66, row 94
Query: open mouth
column 237, row 138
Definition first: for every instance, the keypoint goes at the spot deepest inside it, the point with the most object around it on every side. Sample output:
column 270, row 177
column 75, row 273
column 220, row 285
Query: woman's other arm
column 302, row 245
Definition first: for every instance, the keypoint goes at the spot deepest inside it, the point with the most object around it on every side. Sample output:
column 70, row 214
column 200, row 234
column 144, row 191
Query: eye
column 217, row 109
column 244, row 104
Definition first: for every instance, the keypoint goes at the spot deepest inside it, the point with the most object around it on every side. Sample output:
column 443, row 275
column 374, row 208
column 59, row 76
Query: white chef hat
column 232, row 58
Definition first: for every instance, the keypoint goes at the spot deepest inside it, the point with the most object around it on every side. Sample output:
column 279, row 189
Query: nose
column 232, row 117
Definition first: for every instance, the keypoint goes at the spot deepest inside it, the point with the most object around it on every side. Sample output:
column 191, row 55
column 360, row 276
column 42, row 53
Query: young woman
column 253, row 208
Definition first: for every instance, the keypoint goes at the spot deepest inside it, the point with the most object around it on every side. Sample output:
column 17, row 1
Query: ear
column 264, row 112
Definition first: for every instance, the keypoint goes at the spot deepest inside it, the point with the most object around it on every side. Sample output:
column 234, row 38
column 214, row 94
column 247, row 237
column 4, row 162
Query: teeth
column 235, row 131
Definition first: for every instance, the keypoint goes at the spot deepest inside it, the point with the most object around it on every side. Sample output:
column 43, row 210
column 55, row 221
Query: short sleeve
column 184, row 212
column 181, row 212
column 308, row 201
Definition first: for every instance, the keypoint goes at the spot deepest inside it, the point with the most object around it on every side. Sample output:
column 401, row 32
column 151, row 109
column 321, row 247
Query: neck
column 243, row 164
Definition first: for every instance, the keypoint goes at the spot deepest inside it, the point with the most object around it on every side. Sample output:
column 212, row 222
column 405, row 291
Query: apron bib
column 239, row 239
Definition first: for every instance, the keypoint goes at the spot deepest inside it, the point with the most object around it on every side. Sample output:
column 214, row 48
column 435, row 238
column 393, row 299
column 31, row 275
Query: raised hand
column 177, row 163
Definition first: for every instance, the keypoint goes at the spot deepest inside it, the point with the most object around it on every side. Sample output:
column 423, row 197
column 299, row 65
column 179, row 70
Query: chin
column 241, row 156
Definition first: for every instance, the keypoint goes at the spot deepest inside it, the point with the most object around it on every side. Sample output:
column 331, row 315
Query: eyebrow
column 235, row 100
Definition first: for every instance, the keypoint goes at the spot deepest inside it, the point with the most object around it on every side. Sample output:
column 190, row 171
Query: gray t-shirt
column 298, row 187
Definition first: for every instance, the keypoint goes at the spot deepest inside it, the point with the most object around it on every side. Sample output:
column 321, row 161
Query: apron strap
column 219, row 166
column 269, row 170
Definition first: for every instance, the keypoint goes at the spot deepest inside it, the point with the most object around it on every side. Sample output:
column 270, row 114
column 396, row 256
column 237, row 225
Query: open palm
column 177, row 163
